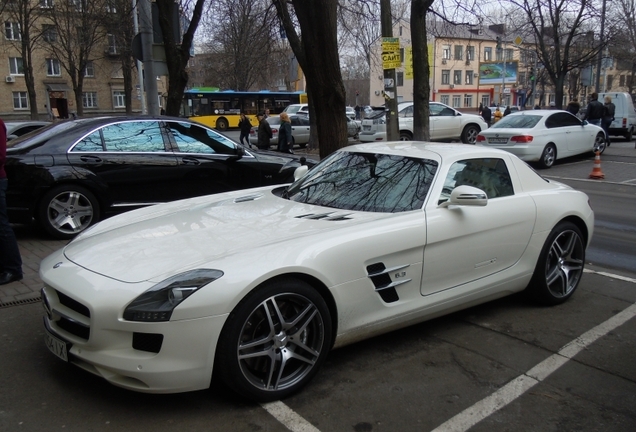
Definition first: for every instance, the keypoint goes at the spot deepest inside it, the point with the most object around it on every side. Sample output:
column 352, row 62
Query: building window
column 457, row 101
column 111, row 6
column 469, row 77
column 445, row 76
column 12, row 30
column 444, row 99
column 522, row 78
column 459, row 52
column 117, row 71
column 79, row 6
column 119, row 99
column 457, row 77
column 610, row 81
column 112, row 44
column 621, row 80
column 53, row 67
column 89, row 71
column 499, row 55
column 49, row 33
column 400, row 78
column 16, row 66
column 89, row 99
column 46, row 3
column 485, row 100
column 446, row 52
column 470, row 52
column 487, row 53
column 20, row 100
column 509, row 54
column 468, row 101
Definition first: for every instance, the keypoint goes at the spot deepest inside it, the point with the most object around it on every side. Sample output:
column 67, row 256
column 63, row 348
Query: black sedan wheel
column 560, row 265
column 275, row 340
column 65, row 211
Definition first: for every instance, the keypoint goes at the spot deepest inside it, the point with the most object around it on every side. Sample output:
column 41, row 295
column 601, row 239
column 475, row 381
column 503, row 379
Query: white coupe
column 258, row 286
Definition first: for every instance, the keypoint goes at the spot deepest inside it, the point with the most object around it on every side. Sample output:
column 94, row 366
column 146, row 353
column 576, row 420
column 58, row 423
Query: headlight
column 157, row 303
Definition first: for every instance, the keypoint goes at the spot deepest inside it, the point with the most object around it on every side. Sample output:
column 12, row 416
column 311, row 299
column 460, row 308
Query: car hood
column 150, row 243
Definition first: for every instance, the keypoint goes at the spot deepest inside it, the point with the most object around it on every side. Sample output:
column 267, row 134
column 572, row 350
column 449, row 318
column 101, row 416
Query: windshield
column 366, row 182
column 525, row 121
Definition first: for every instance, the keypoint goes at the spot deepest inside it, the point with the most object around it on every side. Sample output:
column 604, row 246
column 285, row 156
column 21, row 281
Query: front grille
column 67, row 314
column 150, row 342
column 73, row 304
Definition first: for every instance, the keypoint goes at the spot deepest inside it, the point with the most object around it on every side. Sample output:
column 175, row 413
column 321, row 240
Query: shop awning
column 57, row 87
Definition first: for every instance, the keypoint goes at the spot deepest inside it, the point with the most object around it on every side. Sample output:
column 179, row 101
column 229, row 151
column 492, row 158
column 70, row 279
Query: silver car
column 299, row 125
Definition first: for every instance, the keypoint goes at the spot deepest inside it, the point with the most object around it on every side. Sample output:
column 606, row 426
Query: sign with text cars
column 391, row 58
column 496, row 72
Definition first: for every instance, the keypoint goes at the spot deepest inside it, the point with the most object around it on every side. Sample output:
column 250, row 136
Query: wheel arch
column 580, row 224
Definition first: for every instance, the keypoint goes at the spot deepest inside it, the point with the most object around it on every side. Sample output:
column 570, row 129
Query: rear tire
column 560, row 266
column 469, row 134
column 548, row 157
column 406, row 136
column 222, row 124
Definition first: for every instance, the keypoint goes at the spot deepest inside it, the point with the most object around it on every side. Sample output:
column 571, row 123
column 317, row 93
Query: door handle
column 190, row 161
column 91, row 159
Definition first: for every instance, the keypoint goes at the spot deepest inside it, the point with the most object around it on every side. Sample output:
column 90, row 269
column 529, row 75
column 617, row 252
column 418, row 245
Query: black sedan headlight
column 157, row 303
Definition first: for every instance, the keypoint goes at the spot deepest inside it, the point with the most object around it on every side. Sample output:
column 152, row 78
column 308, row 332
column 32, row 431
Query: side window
column 137, row 137
column 435, row 109
column 561, row 119
column 406, row 112
column 295, row 121
column 489, row 175
column 447, row 112
column 92, row 143
column 191, row 138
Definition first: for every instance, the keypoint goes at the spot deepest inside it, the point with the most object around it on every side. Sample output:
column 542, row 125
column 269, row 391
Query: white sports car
column 258, row 286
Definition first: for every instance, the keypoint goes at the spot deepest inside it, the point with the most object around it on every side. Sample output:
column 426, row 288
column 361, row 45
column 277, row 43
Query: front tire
column 67, row 210
column 600, row 144
column 275, row 340
column 469, row 134
column 548, row 157
column 406, row 136
column 560, row 266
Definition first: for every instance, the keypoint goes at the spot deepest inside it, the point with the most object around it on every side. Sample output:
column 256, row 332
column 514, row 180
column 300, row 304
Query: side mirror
column 300, row 172
column 466, row 196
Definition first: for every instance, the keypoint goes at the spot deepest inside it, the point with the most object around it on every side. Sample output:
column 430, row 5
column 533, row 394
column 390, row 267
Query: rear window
column 41, row 135
column 525, row 121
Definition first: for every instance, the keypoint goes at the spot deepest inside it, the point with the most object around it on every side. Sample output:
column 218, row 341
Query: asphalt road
column 507, row 365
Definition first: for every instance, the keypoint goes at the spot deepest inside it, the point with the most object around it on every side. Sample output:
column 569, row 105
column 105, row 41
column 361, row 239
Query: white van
column 624, row 123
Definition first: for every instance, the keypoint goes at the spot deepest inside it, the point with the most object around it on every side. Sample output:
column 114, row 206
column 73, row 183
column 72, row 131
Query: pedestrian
column 498, row 115
column 285, row 139
column 608, row 117
column 573, row 107
column 594, row 111
column 266, row 113
column 10, row 259
column 246, row 126
column 358, row 109
column 486, row 114
column 264, row 132
column 480, row 109
column 507, row 111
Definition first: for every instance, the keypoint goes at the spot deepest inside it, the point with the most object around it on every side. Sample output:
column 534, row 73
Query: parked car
column 351, row 113
column 353, row 128
column 258, row 286
column 446, row 124
column 624, row 123
column 543, row 136
column 299, row 125
column 297, row 109
column 73, row 173
column 16, row 129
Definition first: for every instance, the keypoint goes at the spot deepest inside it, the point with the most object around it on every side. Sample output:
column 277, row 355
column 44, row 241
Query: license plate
column 497, row 140
column 56, row 346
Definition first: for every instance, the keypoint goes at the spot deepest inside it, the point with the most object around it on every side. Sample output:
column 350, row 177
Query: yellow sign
column 390, row 44
column 391, row 60
column 408, row 63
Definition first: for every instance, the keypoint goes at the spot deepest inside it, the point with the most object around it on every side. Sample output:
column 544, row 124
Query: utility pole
column 390, row 86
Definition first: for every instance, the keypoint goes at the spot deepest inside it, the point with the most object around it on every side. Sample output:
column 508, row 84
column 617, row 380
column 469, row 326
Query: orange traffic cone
column 596, row 172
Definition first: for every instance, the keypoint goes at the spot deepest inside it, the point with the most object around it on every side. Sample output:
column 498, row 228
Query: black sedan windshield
column 366, row 182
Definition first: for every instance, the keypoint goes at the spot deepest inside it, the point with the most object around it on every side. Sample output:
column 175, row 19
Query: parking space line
column 288, row 417
column 518, row 386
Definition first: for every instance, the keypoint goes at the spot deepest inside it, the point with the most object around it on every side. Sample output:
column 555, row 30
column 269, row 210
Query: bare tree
column 22, row 32
column 563, row 43
column 79, row 33
column 178, row 51
column 316, row 49
column 623, row 46
column 421, row 83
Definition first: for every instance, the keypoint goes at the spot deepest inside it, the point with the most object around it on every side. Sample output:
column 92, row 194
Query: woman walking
column 285, row 139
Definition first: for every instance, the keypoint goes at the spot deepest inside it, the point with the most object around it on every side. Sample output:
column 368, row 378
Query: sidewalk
column 35, row 246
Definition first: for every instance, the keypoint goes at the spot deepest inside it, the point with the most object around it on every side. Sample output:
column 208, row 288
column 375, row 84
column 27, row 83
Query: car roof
column 428, row 150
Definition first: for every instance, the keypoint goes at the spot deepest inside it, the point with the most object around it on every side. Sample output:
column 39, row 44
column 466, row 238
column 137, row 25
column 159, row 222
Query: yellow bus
column 221, row 109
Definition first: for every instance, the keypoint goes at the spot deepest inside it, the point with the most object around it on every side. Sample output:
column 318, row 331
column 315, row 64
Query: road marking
column 288, row 417
column 502, row 397
column 518, row 386
column 592, row 180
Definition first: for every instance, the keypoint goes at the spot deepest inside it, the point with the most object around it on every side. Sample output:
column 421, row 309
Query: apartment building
column 103, row 89
column 472, row 64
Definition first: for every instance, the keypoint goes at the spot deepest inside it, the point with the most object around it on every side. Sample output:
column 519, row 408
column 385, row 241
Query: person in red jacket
column 10, row 260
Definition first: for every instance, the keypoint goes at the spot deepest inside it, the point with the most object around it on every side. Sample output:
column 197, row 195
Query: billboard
column 494, row 72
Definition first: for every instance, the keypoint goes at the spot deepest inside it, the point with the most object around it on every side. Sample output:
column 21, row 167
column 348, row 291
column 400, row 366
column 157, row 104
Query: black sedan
column 73, row 173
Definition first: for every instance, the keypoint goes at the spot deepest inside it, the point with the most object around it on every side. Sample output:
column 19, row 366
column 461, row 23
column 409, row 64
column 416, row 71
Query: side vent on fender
column 331, row 216
column 384, row 286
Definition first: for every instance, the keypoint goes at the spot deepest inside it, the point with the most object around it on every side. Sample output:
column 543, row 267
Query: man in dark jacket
column 10, row 260
column 264, row 132
column 594, row 111
column 486, row 114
